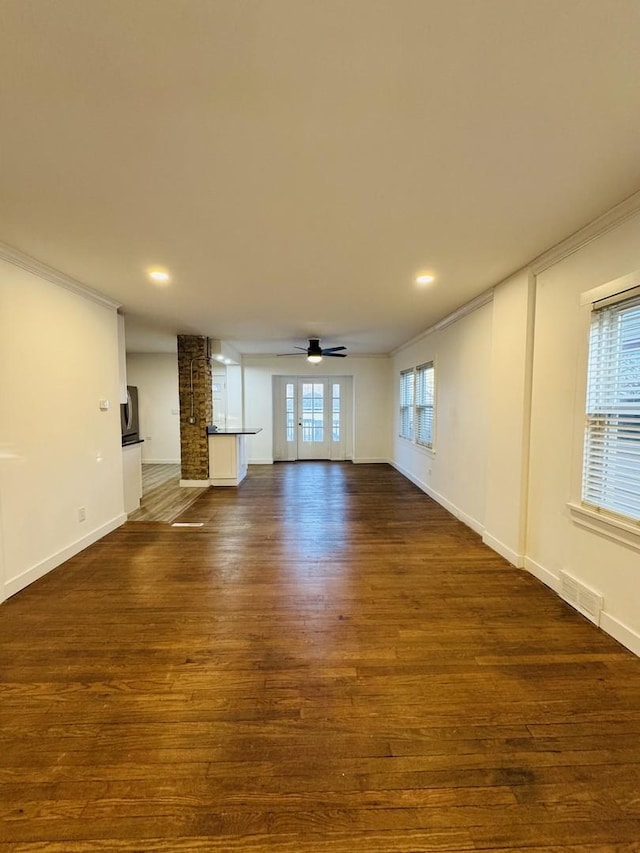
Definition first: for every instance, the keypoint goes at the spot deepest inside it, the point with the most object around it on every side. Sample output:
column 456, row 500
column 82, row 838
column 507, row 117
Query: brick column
column 196, row 405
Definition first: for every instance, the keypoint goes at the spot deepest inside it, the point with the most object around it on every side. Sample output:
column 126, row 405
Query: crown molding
column 483, row 299
column 614, row 217
column 627, row 209
column 25, row 262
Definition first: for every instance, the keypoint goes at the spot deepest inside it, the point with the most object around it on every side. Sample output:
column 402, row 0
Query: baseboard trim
column 496, row 545
column 38, row 571
column 265, row 461
column 544, row 575
column 462, row 516
column 160, row 461
column 626, row 636
column 620, row 632
column 192, row 484
column 370, row 460
column 499, row 547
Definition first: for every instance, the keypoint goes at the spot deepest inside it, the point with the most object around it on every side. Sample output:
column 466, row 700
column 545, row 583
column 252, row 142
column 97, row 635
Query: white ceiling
column 294, row 163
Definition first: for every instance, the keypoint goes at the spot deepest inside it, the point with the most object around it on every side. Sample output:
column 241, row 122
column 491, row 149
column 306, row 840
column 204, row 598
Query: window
column 424, row 404
column 406, row 404
column 417, row 404
column 611, row 470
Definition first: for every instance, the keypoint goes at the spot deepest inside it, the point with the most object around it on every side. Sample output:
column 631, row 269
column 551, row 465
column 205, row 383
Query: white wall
column 219, row 396
column 509, row 413
column 455, row 472
column 555, row 541
column 58, row 450
column 372, row 387
column 235, row 413
column 156, row 377
column 510, row 381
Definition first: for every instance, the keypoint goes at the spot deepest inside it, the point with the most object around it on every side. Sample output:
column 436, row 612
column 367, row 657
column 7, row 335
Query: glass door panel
column 313, row 434
column 335, row 412
column 312, row 411
column 290, row 411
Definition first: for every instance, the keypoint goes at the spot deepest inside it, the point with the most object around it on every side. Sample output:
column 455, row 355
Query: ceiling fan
column 315, row 352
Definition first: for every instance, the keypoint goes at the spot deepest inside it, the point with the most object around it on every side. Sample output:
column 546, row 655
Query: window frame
column 413, row 407
column 407, row 414
column 428, row 368
column 599, row 519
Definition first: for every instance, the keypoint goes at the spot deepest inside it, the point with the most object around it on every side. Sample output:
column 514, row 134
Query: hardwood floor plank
column 331, row 663
column 163, row 499
column 409, row 842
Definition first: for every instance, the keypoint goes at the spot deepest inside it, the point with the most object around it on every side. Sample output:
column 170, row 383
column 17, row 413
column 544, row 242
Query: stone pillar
column 196, row 405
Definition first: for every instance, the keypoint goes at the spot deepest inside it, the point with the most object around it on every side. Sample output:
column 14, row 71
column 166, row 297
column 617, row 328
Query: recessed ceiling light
column 159, row 276
column 425, row 278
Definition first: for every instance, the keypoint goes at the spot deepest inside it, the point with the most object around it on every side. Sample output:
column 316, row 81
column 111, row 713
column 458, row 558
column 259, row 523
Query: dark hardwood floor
column 331, row 663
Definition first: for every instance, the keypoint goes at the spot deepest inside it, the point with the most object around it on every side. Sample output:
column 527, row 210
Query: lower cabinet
column 227, row 459
column 132, row 470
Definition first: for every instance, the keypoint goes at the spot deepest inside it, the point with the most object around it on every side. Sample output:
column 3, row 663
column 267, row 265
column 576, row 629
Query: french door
column 310, row 417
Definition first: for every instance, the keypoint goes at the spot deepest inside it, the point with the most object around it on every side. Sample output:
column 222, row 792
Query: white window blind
column 406, row 403
column 611, row 472
column 424, row 404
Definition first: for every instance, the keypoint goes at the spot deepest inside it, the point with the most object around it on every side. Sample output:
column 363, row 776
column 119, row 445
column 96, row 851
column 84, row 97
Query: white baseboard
column 38, row 571
column 620, row 632
column 544, row 575
column 462, row 516
column 509, row 554
column 364, row 461
column 160, row 461
column 192, row 484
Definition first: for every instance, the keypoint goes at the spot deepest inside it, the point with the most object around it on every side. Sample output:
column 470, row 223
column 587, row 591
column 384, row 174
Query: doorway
column 311, row 417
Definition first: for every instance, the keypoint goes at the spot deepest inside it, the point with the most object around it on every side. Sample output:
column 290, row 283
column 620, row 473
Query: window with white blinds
column 406, row 403
column 611, row 472
column 424, row 404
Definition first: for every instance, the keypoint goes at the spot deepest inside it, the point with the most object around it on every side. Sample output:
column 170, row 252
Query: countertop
column 233, row 430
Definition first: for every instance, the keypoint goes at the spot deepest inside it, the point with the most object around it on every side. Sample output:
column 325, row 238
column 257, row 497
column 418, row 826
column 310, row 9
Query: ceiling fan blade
column 315, row 350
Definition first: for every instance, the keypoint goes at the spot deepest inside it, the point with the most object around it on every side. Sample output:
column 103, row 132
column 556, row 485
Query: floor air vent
column 585, row 600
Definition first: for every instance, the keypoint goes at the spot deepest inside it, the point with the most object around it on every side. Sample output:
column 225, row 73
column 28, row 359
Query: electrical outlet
column 82, row 513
